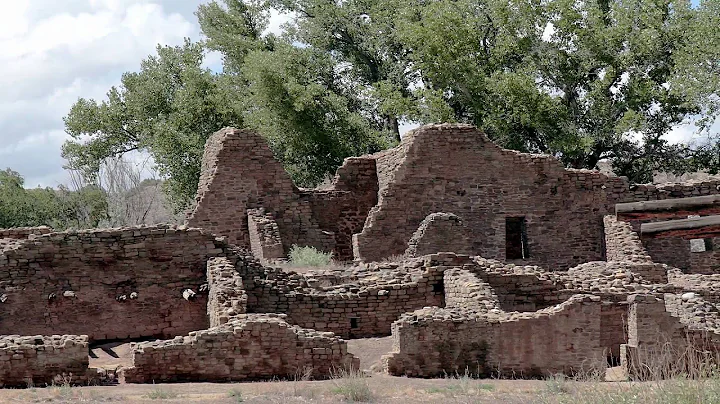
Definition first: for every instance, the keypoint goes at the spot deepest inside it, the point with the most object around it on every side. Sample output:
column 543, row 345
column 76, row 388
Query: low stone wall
column 264, row 234
column 226, row 297
column 27, row 361
column 441, row 232
column 464, row 289
column 363, row 307
column 434, row 342
column 250, row 347
column 20, row 233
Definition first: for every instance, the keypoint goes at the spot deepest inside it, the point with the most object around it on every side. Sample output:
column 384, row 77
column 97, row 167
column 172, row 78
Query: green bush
column 309, row 257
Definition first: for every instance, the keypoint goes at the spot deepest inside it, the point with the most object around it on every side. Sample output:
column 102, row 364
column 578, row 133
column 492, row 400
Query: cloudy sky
column 54, row 51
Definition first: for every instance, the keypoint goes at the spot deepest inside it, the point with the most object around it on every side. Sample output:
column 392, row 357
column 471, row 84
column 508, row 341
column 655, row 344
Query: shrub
column 309, row 257
column 352, row 385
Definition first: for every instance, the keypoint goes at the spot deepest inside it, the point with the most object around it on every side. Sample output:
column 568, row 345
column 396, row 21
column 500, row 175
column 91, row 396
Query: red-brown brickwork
column 254, row 346
column 43, row 360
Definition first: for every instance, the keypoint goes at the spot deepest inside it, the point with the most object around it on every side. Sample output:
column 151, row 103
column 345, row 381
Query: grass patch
column 352, row 386
column 159, row 393
column 237, row 395
column 308, row 257
column 462, row 385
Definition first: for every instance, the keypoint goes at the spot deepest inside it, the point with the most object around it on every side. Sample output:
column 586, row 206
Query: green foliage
column 308, row 257
column 159, row 393
column 169, row 109
column 583, row 81
column 59, row 209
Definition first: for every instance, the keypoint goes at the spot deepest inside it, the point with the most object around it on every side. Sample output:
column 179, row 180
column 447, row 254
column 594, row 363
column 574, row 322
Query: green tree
column 168, row 108
column 59, row 209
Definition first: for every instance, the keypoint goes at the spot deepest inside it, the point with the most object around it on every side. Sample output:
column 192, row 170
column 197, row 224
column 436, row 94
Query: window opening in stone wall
column 353, row 322
column 516, row 246
column 700, row 244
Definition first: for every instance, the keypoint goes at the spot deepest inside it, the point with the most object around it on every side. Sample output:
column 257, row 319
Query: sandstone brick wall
column 239, row 172
column 342, row 208
column 249, row 347
column 433, row 342
column 226, row 294
column 484, row 184
column 365, row 307
column 264, row 235
column 108, row 283
column 21, row 233
column 441, row 232
column 27, row 361
column 622, row 243
column 464, row 289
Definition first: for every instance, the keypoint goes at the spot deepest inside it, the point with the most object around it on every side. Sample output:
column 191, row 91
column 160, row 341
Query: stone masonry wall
column 365, row 307
column 264, row 235
column 433, row 342
column 250, row 347
column 226, row 295
column 342, row 208
column 108, row 283
column 622, row 243
column 239, row 172
column 440, row 232
column 27, row 361
column 21, row 233
column 484, row 184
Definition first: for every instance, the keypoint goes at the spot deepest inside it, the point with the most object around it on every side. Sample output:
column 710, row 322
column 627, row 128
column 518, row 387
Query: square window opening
column 354, row 322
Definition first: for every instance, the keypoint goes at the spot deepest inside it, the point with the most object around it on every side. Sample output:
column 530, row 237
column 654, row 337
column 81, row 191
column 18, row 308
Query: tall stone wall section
column 440, row 232
column 622, row 243
column 342, row 208
column 250, row 347
column 27, row 361
column 239, row 172
column 455, row 168
column 434, row 342
column 108, row 284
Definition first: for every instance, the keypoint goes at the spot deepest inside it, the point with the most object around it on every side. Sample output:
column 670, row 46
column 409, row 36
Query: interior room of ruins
column 503, row 263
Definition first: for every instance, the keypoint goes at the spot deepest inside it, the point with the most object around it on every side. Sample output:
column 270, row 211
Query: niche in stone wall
column 516, row 244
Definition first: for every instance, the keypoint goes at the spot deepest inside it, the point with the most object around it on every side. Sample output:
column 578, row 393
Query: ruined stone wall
column 706, row 262
column 107, row 284
column 440, row 232
column 239, row 172
column 21, row 233
column 671, row 251
column 622, row 243
column 343, row 207
column 363, row 308
column 433, row 342
column 226, row 294
column 249, row 347
column 27, row 361
column 455, row 168
column 264, row 235
column 463, row 288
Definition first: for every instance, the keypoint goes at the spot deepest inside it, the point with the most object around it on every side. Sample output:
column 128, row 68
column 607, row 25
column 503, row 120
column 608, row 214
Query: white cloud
column 52, row 53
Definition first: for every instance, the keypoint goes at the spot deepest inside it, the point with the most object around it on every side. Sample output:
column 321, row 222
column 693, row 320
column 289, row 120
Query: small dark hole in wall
column 613, row 361
column 438, row 287
column 354, row 322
